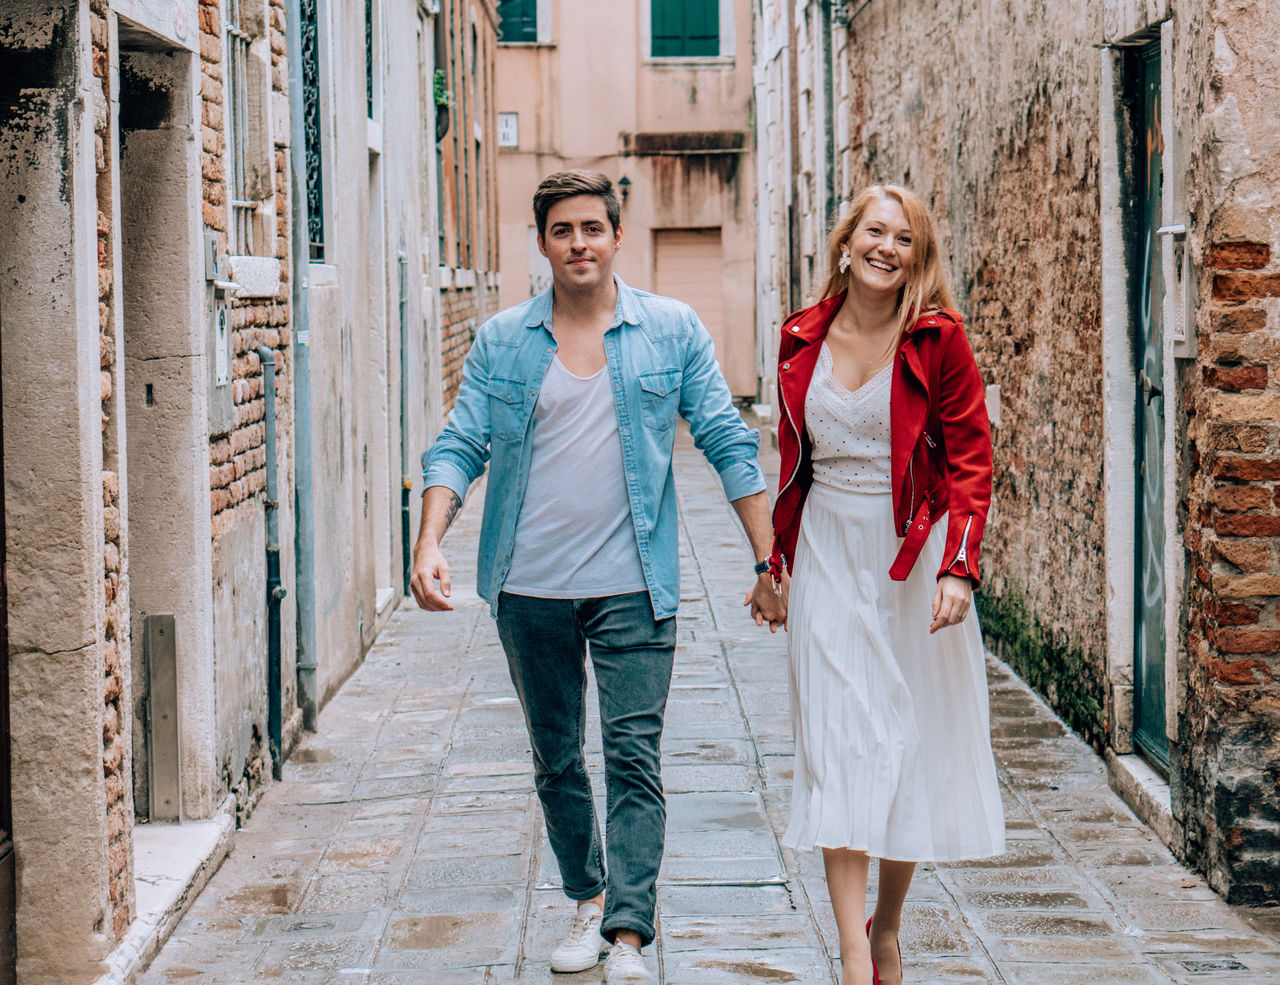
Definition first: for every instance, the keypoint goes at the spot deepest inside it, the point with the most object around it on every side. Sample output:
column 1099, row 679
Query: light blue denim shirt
column 661, row 364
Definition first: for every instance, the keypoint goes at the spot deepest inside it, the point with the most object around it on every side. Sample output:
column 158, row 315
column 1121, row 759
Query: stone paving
column 405, row 845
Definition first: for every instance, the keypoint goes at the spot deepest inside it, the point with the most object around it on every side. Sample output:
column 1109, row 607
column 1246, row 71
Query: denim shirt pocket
column 660, row 399
column 506, row 408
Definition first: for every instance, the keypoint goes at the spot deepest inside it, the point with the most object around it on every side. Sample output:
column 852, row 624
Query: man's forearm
column 753, row 511
column 440, row 505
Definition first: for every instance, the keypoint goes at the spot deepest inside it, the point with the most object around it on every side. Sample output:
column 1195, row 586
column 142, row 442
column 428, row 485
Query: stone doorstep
column 1147, row 794
column 172, row 865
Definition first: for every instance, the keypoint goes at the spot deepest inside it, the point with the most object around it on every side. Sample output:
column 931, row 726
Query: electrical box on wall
column 221, row 404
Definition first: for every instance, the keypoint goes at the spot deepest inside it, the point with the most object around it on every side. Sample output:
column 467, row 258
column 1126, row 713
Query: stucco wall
column 679, row 129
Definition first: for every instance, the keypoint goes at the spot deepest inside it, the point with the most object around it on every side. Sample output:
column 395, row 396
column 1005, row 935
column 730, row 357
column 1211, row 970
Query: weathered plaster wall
column 54, row 488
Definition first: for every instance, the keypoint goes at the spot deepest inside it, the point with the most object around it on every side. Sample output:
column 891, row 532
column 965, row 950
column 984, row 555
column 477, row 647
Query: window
column 311, row 126
column 237, row 109
column 685, row 28
column 518, row 20
column 368, row 57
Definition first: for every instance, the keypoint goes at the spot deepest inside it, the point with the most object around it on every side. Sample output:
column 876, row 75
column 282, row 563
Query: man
column 574, row 396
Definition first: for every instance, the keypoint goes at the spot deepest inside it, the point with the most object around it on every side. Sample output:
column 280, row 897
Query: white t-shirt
column 574, row 536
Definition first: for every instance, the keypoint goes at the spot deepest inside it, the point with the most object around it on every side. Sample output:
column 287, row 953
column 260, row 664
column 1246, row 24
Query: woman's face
column 880, row 248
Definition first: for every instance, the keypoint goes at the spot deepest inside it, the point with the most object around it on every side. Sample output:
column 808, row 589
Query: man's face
column 580, row 243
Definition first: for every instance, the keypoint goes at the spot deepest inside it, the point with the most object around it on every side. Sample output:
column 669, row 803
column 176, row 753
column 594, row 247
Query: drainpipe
column 304, row 506
column 406, row 480
column 829, row 109
column 275, row 591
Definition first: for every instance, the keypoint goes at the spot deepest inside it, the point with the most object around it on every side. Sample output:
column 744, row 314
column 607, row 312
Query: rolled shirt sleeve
column 458, row 456
column 730, row 447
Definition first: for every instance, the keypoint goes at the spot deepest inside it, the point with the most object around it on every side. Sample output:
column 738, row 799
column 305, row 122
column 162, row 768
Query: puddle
column 270, row 899
column 444, row 930
column 310, row 755
column 757, row 972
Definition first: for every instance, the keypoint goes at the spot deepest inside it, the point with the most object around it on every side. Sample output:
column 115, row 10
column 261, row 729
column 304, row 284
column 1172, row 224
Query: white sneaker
column 583, row 947
column 626, row 967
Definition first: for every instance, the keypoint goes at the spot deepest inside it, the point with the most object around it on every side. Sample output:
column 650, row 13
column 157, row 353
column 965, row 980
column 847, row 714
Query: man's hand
column 768, row 602
column 430, row 567
column 440, row 505
column 951, row 601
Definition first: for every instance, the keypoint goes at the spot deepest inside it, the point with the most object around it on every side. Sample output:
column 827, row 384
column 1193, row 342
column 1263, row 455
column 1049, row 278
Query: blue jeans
column 546, row 641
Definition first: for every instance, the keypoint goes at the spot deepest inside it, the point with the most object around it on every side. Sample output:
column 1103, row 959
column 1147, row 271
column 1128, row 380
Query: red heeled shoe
column 875, row 972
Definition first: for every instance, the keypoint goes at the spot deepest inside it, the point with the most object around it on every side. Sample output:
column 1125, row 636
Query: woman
column 886, row 481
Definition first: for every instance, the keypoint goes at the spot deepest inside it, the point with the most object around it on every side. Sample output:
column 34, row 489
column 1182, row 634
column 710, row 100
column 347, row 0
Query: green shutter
column 518, row 20
column 685, row 28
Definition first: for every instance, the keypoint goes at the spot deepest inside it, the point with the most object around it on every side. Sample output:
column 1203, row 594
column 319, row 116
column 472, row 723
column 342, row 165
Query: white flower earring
column 845, row 262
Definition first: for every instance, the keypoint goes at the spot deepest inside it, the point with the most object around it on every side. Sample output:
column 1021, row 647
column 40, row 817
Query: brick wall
column 116, row 643
column 238, row 459
column 462, row 311
column 1009, row 168
column 1229, row 742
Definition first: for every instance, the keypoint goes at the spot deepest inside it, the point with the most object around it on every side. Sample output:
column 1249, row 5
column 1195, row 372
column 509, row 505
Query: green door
column 1149, row 588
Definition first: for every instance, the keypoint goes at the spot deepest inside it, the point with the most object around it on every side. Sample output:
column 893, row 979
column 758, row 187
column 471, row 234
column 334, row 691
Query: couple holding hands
column 869, row 560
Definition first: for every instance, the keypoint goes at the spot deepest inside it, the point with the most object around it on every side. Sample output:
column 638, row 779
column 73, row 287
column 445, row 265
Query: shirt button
column 786, row 365
column 795, row 328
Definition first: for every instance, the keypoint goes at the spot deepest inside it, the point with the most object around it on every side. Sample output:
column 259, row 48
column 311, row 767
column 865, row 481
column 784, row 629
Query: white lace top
column 850, row 430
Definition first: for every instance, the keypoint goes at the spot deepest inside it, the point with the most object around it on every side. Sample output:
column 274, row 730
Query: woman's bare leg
column 891, row 893
column 847, row 882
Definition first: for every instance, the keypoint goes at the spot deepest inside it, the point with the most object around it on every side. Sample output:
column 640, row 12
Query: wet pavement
column 405, row 844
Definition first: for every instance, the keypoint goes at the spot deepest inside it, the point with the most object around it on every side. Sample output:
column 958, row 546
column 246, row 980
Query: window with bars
column 518, row 20
column 685, row 28
column 311, row 127
column 236, row 108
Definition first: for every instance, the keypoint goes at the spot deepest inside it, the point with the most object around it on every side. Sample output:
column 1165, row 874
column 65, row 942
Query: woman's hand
column 951, row 601
column 768, row 601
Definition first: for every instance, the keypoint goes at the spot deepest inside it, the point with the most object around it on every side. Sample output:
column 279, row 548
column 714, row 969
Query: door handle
column 1149, row 390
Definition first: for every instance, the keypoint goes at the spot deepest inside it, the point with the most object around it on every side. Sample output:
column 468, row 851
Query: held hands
column 429, row 567
column 768, row 601
column 951, row 602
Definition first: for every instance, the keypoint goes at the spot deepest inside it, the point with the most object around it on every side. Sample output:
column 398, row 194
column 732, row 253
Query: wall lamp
column 625, row 184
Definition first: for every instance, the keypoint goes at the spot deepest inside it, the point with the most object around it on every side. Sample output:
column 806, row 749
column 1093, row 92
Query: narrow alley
column 405, row 846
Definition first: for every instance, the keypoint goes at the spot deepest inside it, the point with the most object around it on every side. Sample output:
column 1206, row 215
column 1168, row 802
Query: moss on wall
column 1046, row 660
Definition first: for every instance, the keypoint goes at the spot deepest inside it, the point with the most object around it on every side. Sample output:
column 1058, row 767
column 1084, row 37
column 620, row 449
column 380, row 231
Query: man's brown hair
column 566, row 184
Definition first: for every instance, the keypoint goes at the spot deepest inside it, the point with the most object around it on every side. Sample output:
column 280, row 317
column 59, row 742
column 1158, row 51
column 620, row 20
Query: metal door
column 1149, row 590
column 689, row 265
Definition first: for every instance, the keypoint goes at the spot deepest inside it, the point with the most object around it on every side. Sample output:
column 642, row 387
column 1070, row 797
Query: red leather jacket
column 941, row 441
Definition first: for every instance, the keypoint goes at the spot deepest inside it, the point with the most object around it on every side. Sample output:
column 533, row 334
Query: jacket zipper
column 911, row 503
column 782, row 393
column 962, row 556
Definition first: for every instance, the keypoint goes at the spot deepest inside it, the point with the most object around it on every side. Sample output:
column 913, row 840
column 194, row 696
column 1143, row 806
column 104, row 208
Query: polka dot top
column 849, row 430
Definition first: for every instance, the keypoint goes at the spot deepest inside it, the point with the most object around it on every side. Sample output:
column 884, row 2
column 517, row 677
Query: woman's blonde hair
column 926, row 285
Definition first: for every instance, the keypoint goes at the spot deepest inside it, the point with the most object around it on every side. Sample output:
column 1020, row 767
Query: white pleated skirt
column 892, row 735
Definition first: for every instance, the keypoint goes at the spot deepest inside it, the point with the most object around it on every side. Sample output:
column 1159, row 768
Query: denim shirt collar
column 628, row 309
